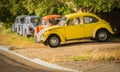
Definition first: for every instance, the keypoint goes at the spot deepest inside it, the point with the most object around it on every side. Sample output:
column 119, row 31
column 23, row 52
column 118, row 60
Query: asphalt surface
column 10, row 64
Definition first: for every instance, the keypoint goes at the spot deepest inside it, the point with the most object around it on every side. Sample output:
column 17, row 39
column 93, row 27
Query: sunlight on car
column 77, row 26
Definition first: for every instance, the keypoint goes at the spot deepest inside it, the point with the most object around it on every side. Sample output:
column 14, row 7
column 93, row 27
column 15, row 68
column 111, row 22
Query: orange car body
column 47, row 19
column 45, row 22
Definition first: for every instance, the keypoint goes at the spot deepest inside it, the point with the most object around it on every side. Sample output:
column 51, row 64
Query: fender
column 103, row 26
column 48, row 33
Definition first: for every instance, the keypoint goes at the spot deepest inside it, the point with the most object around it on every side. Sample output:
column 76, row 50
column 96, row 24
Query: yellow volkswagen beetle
column 76, row 26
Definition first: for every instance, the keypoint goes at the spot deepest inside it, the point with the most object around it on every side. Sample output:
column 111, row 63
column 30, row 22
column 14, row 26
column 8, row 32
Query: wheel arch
column 62, row 39
column 95, row 31
column 106, row 27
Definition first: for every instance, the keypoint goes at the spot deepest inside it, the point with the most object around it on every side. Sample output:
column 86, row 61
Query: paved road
column 11, row 65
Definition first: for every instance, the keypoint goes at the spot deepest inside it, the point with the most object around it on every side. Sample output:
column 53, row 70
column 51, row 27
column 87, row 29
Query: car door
column 74, row 28
column 90, row 23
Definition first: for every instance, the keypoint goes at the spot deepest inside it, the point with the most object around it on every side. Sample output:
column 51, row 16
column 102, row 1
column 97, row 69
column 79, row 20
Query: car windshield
column 35, row 21
column 42, row 22
column 62, row 21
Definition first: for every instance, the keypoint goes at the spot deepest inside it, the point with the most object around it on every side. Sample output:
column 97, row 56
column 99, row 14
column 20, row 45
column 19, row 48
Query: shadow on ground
column 89, row 42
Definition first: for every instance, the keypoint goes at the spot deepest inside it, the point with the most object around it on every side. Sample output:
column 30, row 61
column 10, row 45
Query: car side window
column 26, row 21
column 90, row 19
column 78, row 21
column 74, row 21
column 70, row 22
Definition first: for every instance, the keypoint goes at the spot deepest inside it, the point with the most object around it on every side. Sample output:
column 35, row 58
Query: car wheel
column 102, row 36
column 53, row 41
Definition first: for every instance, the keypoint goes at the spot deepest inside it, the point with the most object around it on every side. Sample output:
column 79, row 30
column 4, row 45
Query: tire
column 102, row 35
column 53, row 41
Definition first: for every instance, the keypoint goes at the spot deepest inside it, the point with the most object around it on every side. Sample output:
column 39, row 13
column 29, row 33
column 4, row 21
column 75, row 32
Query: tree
column 96, row 6
column 9, row 9
column 46, row 7
column 4, row 11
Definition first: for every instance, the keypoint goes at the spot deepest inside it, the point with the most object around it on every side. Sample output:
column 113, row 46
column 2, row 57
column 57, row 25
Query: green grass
column 80, row 58
column 7, row 37
column 109, row 58
column 88, row 58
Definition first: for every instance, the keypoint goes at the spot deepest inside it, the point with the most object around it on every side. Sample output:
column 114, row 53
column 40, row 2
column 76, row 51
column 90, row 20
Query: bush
column 6, row 25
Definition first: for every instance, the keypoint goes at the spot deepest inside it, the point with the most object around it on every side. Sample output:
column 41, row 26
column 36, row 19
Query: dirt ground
column 63, row 54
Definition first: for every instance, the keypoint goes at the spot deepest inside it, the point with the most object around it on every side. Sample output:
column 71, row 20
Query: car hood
column 48, row 29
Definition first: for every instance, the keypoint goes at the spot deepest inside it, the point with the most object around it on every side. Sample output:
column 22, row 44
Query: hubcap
column 54, row 41
column 102, row 35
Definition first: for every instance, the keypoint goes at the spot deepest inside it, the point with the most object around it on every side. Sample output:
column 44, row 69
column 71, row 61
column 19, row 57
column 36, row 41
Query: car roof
column 33, row 16
column 21, row 16
column 80, row 14
column 51, row 16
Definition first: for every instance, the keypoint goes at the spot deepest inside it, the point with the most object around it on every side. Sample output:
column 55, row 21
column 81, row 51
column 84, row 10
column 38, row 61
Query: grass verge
column 113, row 55
column 7, row 37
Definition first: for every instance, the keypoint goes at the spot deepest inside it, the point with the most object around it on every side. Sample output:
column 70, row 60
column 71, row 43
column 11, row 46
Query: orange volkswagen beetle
column 45, row 22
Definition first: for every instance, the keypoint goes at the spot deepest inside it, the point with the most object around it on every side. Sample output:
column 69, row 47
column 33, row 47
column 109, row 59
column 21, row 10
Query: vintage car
column 18, row 21
column 30, row 23
column 76, row 26
column 45, row 22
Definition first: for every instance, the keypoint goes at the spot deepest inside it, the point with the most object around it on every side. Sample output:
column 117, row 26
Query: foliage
column 6, row 25
column 46, row 7
column 96, row 5
column 9, row 9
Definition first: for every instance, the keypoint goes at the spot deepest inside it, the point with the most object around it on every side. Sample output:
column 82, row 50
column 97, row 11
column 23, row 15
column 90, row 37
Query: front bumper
column 40, row 36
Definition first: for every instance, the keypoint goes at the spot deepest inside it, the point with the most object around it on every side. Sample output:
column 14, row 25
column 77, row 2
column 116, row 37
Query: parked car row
column 24, row 25
column 53, row 30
